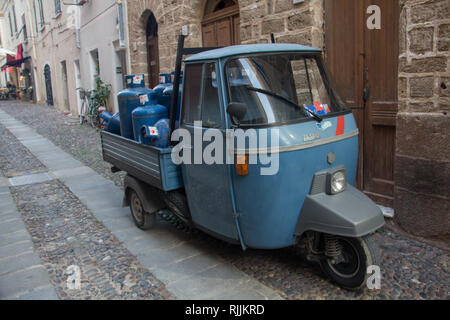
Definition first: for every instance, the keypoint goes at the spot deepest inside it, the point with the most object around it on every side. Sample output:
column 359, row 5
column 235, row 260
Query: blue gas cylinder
column 165, row 81
column 166, row 100
column 111, row 122
column 134, row 96
column 160, row 88
column 165, row 78
column 162, row 137
column 145, row 117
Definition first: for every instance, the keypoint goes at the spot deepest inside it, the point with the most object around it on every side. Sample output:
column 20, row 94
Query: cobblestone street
column 70, row 224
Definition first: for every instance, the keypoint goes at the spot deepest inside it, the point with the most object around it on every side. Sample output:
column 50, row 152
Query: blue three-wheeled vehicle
column 309, row 200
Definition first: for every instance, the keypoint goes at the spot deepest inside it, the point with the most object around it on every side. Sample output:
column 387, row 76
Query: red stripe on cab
column 340, row 128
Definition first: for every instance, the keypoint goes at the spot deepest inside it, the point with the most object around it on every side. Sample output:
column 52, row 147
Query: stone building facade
column 419, row 120
column 422, row 159
column 290, row 23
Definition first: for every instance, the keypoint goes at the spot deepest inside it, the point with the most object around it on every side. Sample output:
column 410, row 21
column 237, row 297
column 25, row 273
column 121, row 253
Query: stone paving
column 62, row 233
column 81, row 142
column 65, row 233
column 22, row 275
column 411, row 269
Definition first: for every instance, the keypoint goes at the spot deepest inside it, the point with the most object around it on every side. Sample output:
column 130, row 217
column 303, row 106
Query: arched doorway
column 221, row 25
column 48, row 84
column 152, row 51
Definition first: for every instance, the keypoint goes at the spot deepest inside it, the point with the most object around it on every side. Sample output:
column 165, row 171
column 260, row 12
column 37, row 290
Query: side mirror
column 237, row 110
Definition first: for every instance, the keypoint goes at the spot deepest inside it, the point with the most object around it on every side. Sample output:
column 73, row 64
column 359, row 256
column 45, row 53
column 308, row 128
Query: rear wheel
column 142, row 219
column 357, row 254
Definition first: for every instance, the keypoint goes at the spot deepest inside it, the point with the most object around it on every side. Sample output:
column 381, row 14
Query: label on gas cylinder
column 137, row 79
column 153, row 131
column 143, row 98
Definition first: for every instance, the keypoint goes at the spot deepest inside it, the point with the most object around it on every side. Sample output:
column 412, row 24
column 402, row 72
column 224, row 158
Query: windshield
column 281, row 88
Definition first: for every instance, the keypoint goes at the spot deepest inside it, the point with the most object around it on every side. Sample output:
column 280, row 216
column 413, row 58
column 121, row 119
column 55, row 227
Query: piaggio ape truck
column 311, row 199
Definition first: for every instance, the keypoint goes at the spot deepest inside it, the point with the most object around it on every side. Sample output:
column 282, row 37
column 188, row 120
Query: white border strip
column 298, row 146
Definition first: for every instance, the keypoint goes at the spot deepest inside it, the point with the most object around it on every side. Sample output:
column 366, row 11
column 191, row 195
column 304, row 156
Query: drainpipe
column 121, row 24
column 77, row 27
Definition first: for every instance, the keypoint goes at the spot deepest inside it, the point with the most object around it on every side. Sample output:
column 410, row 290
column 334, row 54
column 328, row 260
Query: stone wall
column 170, row 15
column 422, row 169
column 299, row 23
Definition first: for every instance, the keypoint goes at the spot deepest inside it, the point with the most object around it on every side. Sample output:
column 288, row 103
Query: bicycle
column 84, row 104
column 87, row 112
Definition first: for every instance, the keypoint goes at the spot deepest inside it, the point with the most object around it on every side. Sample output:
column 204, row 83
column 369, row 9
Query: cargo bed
column 146, row 163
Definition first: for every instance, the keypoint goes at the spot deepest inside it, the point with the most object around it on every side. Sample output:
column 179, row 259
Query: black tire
column 360, row 253
column 177, row 203
column 142, row 219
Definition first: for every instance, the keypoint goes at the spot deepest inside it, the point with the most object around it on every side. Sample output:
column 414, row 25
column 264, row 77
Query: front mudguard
column 349, row 213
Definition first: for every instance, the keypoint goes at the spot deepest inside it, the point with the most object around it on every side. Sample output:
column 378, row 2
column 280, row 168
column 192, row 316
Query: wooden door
column 221, row 27
column 48, row 85
column 344, row 57
column 358, row 58
column 237, row 29
column 65, row 85
column 153, row 61
column 381, row 63
column 224, row 36
column 209, row 35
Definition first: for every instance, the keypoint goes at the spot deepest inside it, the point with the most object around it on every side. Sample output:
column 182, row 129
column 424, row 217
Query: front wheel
column 357, row 254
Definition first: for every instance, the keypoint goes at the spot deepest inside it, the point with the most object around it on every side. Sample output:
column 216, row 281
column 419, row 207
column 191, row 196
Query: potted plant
column 99, row 97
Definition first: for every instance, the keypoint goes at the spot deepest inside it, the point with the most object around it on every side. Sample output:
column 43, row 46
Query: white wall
column 56, row 41
column 99, row 30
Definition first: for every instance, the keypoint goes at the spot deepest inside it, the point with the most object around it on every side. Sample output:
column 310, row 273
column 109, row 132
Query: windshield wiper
column 287, row 101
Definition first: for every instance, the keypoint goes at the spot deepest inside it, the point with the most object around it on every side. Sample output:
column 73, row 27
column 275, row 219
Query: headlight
column 338, row 182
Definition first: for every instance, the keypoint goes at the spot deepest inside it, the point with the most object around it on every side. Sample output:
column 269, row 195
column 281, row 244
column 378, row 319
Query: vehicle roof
column 250, row 49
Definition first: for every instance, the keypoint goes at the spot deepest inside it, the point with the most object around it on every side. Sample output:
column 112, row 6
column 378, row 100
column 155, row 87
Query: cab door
column 207, row 186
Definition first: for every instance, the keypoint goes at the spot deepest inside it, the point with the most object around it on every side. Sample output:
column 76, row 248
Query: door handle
column 366, row 94
column 366, row 97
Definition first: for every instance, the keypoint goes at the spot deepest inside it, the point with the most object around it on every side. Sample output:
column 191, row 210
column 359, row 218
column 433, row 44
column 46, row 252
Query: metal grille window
column 57, row 7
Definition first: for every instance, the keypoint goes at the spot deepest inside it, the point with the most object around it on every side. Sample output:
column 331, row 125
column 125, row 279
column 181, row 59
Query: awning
column 4, row 52
column 15, row 61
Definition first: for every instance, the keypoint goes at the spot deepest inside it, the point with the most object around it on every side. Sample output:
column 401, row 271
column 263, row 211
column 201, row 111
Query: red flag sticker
column 340, row 128
column 153, row 131
column 318, row 106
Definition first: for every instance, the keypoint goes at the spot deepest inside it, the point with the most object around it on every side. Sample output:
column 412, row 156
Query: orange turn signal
column 242, row 165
